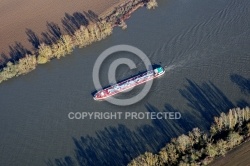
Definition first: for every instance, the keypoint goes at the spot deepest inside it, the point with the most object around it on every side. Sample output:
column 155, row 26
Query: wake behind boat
column 129, row 83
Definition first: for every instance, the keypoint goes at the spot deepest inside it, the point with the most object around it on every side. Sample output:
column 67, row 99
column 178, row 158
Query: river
column 205, row 48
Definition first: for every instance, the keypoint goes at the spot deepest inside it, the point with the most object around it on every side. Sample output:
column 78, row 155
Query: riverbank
column 238, row 156
column 17, row 16
column 81, row 30
column 200, row 148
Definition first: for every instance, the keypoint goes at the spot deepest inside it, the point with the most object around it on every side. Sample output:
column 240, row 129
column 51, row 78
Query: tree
column 247, row 110
column 44, row 54
column 248, row 130
column 199, row 148
column 79, row 38
column 218, row 123
column 26, row 64
column 152, row 4
column 195, row 135
column 230, row 118
column 93, row 32
column 172, row 153
column 9, row 71
column 211, row 150
column 148, row 159
column 234, row 139
column 221, row 146
column 163, row 155
column 183, row 142
column 67, row 43
column 213, row 130
column 86, row 35
column 108, row 28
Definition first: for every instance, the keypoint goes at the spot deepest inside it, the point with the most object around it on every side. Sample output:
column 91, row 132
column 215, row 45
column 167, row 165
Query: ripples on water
column 201, row 43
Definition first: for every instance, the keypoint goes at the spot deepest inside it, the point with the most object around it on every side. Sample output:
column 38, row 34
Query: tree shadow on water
column 119, row 145
column 66, row 161
column 206, row 99
column 243, row 83
column 242, row 103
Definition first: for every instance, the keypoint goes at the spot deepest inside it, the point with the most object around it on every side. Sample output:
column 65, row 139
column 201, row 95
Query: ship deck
column 126, row 84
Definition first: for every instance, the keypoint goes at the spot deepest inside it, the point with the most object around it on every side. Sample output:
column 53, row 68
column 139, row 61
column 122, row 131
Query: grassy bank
column 200, row 148
column 60, row 45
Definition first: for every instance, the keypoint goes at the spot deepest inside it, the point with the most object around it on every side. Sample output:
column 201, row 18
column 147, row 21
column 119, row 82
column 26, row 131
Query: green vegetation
column 83, row 36
column 199, row 148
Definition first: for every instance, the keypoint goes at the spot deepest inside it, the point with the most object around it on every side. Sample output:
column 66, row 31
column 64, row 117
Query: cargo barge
column 129, row 83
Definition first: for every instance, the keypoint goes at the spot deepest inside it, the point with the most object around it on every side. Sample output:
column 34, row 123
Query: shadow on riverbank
column 57, row 43
column 69, row 25
column 119, row 145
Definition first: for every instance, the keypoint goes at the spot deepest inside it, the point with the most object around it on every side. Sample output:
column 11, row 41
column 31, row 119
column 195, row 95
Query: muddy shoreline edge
column 24, row 61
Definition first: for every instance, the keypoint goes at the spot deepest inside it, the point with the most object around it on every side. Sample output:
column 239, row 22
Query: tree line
column 200, row 148
column 81, row 37
column 65, row 45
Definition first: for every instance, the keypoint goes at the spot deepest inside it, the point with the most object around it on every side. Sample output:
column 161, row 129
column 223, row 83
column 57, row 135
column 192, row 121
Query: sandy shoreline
column 16, row 16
